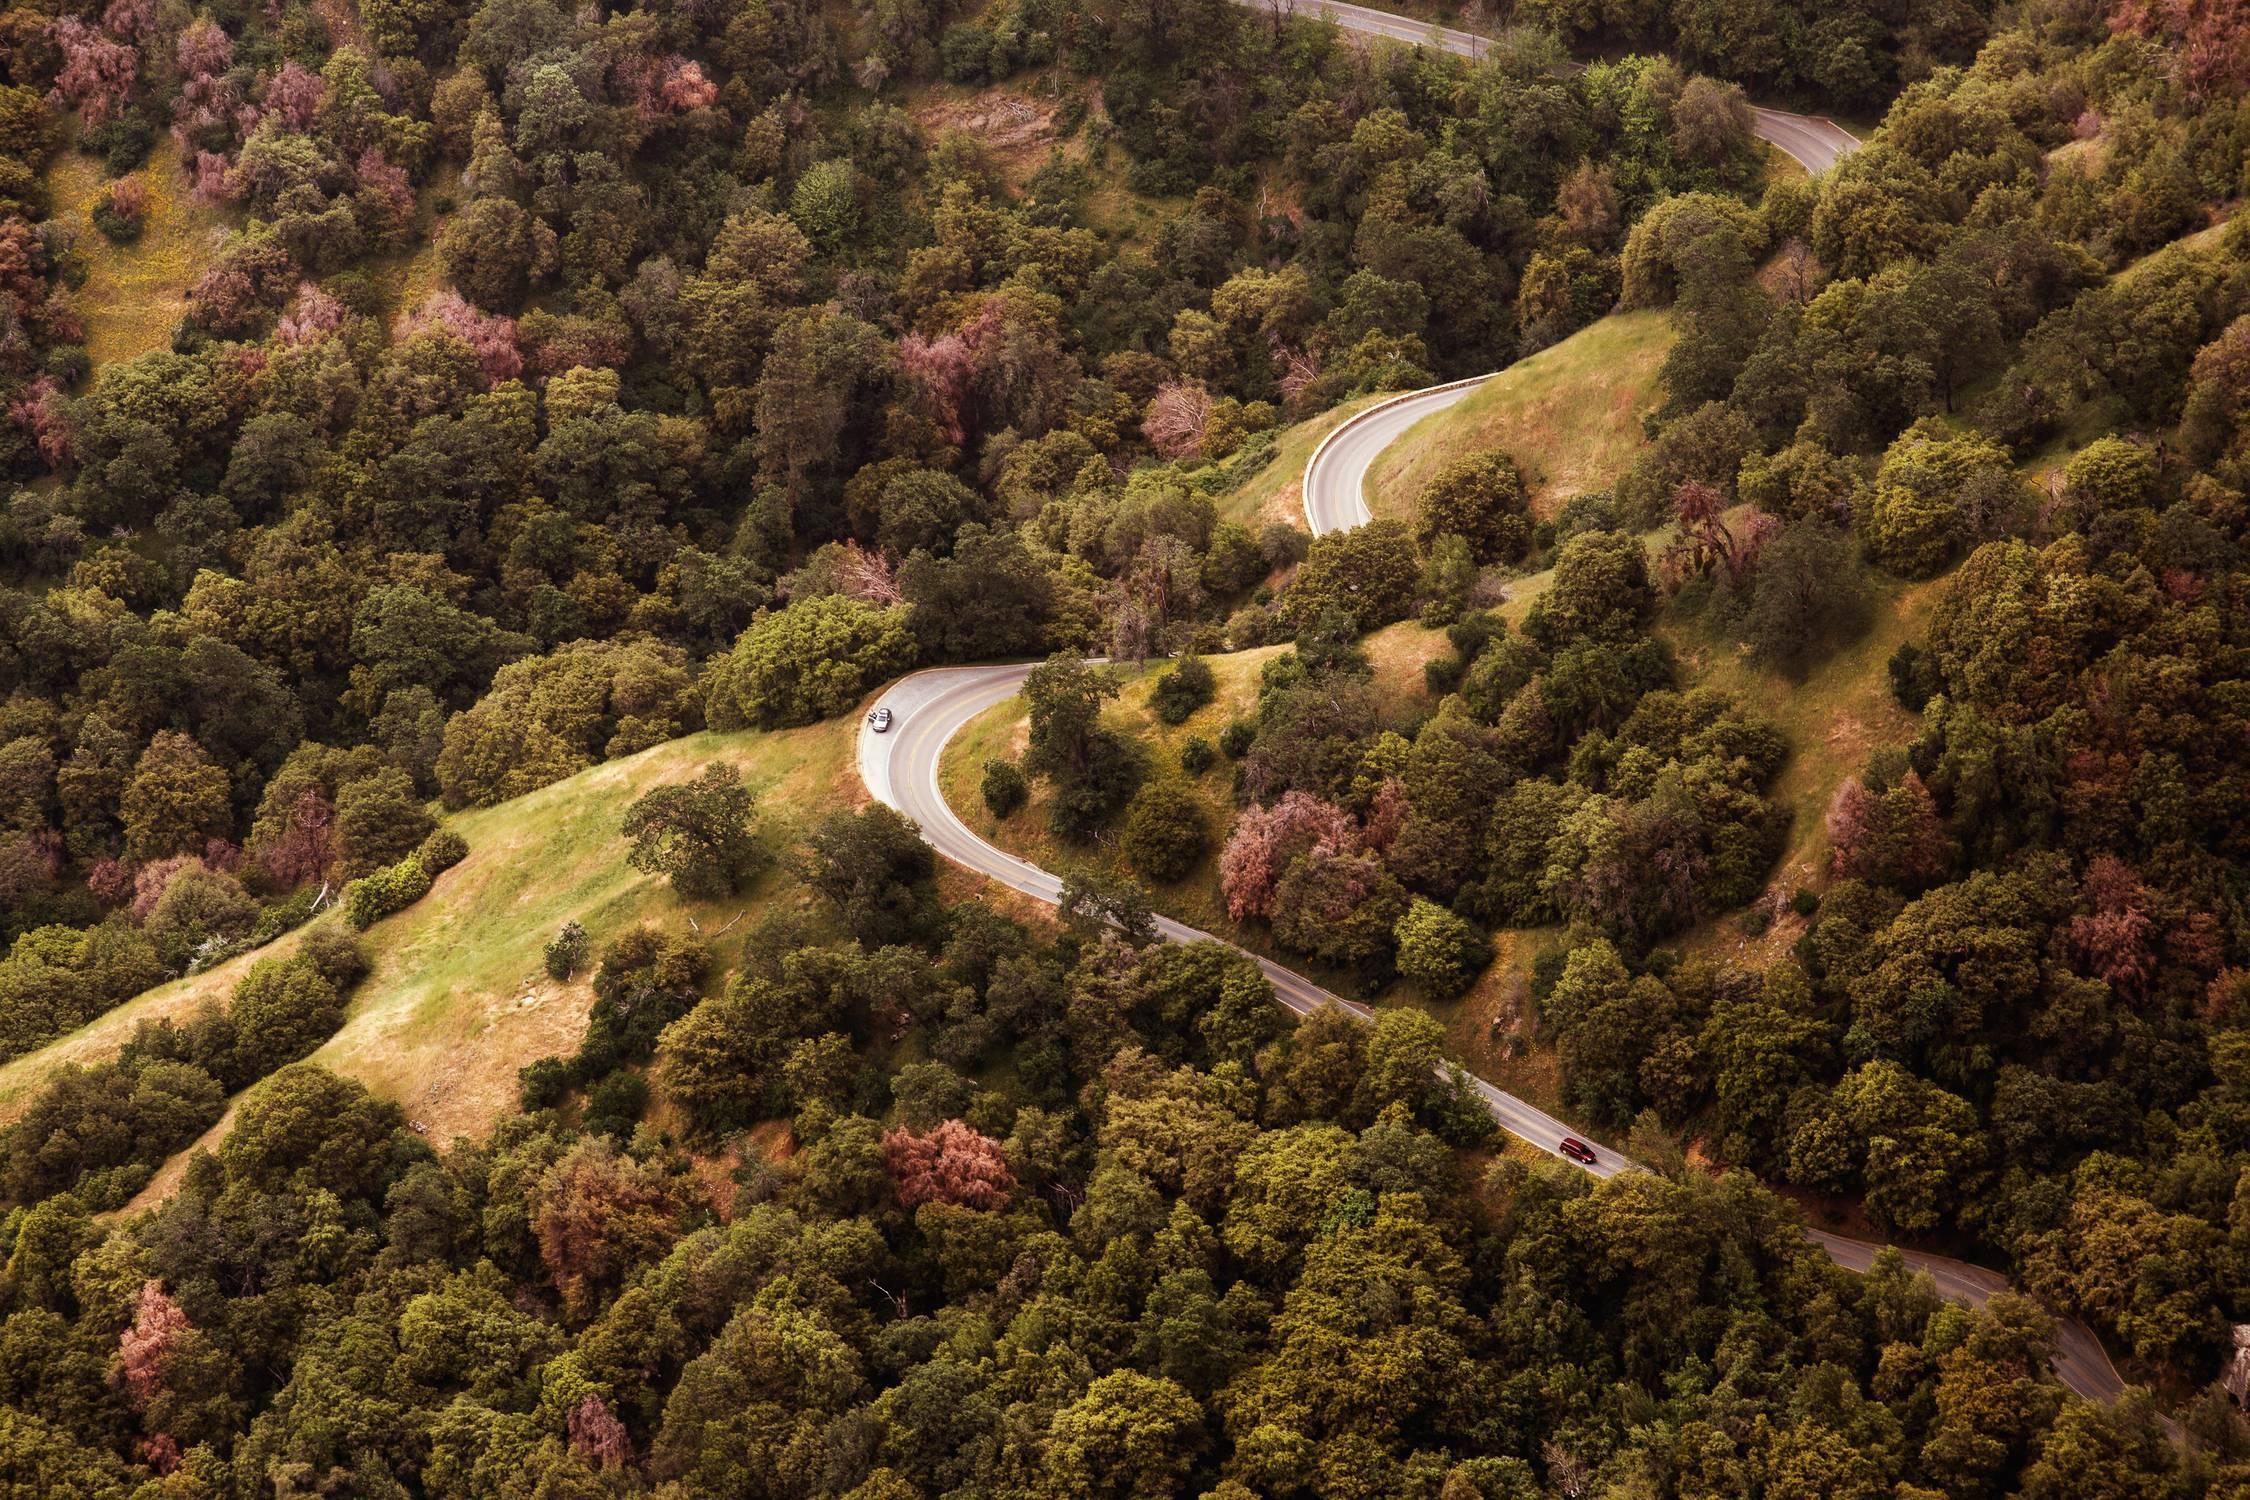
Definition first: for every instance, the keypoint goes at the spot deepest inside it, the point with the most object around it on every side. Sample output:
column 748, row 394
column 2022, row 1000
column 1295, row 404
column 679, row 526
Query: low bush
column 567, row 952
column 1005, row 790
column 1183, row 690
column 441, row 851
column 371, row 898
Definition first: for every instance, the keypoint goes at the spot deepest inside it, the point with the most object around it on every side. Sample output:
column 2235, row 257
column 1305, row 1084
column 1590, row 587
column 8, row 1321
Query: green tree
column 1130, row 1436
column 1092, row 903
column 1165, row 830
column 698, row 834
column 492, row 250
column 1480, row 499
column 1914, row 1148
column 380, row 819
column 176, row 800
column 1600, row 591
column 1806, row 596
column 874, row 866
column 1440, row 951
column 1065, row 698
column 1369, row 573
column 1004, row 789
column 811, row 660
column 308, row 1130
column 1916, row 516
column 282, row 1009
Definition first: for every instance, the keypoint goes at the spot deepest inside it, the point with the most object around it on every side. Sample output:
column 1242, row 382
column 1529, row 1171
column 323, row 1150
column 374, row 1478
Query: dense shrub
column 441, row 851
column 809, row 661
column 1438, row 950
column 1481, row 500
column 371, row 898
column 1184, row 689
column 1165, row 830
column 1004, row 789
column 566, row 951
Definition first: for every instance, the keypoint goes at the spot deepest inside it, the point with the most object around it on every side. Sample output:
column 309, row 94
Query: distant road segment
column 1813, row 141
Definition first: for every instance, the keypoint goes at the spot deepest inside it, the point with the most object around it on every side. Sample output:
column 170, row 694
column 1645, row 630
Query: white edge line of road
column 1320, row 450
column 878, row 753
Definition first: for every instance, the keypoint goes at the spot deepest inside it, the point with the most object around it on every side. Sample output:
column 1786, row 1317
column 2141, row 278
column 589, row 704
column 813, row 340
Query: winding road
column 1813, row 141
column 1336, row 475
column 900, row 768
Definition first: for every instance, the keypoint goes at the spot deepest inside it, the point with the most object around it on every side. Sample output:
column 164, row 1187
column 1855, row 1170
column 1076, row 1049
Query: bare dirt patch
column 1014, row 129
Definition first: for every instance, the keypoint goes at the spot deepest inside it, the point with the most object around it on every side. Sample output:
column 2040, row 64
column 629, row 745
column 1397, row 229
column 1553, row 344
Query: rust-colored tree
column 596, row 1435
column 600, row 1213
column 1266, row 839
column 147, row 1345
column 952, row 1164
column 2208, row 41
column 1894, row 838
column 2114, row 938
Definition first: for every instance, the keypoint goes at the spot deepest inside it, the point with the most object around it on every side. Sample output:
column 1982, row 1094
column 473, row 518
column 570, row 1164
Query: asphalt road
column 1335, row 487
column 900, row 769
column 1813, row 141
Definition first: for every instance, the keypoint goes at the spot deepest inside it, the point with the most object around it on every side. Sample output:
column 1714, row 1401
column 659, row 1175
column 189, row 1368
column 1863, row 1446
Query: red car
column 1577, row 1150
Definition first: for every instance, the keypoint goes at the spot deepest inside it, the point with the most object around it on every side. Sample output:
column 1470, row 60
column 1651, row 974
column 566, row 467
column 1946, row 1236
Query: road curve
column 900, row 769
column 1335, row 496
column 2080, row 1362
column 1335, row 484
column 1814, row 142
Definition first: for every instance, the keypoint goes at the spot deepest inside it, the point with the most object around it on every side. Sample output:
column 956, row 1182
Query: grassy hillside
column 457, row 998
column 1840, row 712
column 1570, row 414
column 1275, row 490
column 135, row 293
column 1397, row 654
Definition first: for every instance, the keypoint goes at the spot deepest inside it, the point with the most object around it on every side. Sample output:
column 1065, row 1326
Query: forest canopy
column 550, row 383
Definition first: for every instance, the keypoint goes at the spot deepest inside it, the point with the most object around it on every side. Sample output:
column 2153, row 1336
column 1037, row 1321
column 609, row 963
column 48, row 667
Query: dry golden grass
column 458, row 998
column 1570, row 415
column 99, row 1039
column 1016, row 131
column 134, row 294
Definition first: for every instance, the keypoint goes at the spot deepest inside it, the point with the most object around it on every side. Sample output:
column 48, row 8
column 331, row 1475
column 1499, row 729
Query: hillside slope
column 1571, row 415
column 457, row 999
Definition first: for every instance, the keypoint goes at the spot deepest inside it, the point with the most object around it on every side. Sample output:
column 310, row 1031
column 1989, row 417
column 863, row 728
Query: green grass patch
column 1840, row 712
column 1570, row 415
column 1273, row 491
column 458, row 997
